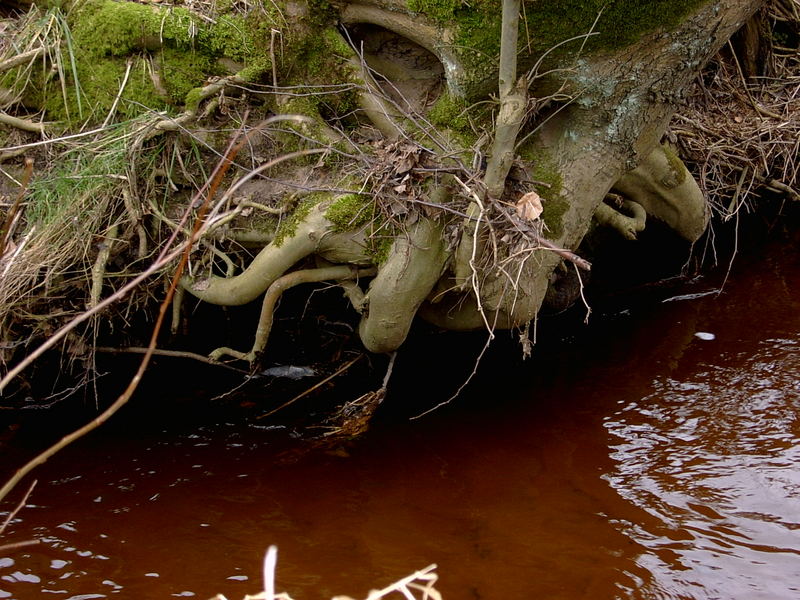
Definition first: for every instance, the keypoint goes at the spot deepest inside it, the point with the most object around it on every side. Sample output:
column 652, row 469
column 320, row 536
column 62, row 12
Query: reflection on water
column 713, row 457
column 643, row 462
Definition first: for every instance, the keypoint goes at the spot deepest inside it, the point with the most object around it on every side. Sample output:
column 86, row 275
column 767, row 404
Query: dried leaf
column 529, row 207
column 398, row 208
column 406, row 164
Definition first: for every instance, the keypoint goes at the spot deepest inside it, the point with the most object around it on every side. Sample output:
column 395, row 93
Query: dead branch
column 23, row 124
column 19, row 59
column 18, row 508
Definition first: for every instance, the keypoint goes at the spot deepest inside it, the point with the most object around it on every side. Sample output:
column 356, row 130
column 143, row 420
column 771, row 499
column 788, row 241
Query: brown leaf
column 406, row 163
column 529, row 207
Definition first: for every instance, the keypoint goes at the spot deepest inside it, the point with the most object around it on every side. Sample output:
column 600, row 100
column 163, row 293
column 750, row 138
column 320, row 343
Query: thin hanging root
column 274, row 293
column 99, row 268
column 177, row 306
column 135, row 215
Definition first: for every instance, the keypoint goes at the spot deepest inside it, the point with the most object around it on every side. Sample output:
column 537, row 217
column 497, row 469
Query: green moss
column 544, row 170
column 548, row 24
column 449, row 111
column 553, row 210
column 351, row 211
column 321, row 12
column 289, row 225
column 100, row 83
column 382, row 249
column 675, row 164
column 255, row 70
column 335, row 44
column 439, row 10
column 193, row 98
column 172, row 50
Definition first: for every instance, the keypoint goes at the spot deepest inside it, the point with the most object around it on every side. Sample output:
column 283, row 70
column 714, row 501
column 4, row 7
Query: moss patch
column 288, row 228
column 675, row 164
column 350, row 212
column 554, row 206
column 170, row 49
column 449, row 111
column 549, row 23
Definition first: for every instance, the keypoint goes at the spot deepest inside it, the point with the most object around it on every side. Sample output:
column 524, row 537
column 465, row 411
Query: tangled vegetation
column 365, row 145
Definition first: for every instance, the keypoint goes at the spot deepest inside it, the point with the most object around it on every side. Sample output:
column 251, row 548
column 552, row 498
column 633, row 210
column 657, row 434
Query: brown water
column 635, row 460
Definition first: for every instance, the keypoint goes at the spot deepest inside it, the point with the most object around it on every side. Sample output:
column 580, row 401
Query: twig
column 30, row 55
column 113, row 108
column 171, row 353
column 16, row 545
column 23, row 124
column 583, row 298
column 544, row 243
column 8, row 224
column 18, row 508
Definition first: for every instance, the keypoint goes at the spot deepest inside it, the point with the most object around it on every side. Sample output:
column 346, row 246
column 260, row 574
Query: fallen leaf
column 529, row 207
column 405, row 164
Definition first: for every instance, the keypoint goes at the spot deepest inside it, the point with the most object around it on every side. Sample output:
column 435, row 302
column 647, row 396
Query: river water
column 632, row 459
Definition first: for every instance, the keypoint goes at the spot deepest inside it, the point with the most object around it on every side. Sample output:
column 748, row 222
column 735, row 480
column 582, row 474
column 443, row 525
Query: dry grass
column 741, row 136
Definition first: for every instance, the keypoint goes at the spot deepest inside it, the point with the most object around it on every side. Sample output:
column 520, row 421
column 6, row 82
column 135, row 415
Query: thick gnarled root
column 628, row 225
column 667, row 191
column 268, row 265
column 415, row 263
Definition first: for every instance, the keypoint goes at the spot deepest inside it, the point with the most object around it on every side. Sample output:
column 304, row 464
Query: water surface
column 634, row 460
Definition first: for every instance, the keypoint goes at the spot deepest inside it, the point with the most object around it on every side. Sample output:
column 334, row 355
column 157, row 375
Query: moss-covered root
column 628, row 225
column 415, row 263
column 667, row 191
column 269, row 264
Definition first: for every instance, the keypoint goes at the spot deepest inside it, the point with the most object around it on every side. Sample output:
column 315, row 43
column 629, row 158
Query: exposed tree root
column 270, row 264
column 99, row 268
column 666, row 190
column 628, row 225
column 274, row 293
column 416, row 261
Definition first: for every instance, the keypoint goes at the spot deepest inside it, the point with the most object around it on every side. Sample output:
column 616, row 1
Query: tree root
column 272, row 262
column 415, row 264
column 274, row 293
column 198, row 95
column 99, row 268
column 628, row 226
column 667, row 191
